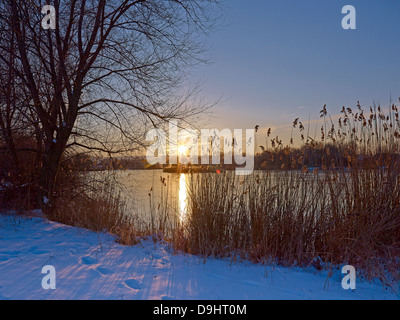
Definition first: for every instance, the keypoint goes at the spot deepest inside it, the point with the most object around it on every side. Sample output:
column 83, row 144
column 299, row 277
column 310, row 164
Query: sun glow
column 182, row 150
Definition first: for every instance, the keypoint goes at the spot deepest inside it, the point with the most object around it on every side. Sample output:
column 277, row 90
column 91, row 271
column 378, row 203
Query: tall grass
column 94, row 202
column 345, row 212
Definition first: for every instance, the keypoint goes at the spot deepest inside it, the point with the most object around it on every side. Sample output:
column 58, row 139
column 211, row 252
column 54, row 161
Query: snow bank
column 93, row 266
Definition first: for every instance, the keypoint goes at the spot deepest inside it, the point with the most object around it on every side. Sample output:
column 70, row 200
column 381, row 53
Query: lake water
column 153, row 194
column 150, row 192
column 160, row 198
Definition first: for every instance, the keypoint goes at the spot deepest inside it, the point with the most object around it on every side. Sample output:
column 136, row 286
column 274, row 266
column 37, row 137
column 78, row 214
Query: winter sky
column 277, row 60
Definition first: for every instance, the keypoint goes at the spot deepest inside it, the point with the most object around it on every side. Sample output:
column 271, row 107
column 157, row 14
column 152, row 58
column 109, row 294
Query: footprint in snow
column 11, row 253
column 104, row 271
column 38, row 251
column 88, row 260
column 4, row 259
column 133, row 284
column 156, row 256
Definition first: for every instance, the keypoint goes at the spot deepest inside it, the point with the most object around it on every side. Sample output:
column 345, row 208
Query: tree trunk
column 50, row 163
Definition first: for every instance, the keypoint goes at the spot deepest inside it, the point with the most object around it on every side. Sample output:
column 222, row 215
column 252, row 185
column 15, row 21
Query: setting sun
column 182, row 149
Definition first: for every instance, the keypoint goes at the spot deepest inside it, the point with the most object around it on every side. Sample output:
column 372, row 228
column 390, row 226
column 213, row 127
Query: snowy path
column 92, row 266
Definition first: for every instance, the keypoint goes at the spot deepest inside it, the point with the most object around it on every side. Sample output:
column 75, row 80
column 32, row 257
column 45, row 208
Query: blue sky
column 276, row 60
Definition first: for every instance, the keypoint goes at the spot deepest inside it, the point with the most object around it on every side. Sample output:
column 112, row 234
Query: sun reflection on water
column 182, row 197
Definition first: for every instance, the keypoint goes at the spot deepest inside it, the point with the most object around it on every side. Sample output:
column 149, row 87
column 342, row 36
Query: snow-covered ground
column 93, row 266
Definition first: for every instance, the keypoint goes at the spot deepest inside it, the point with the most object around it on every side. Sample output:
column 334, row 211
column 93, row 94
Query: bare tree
column 107, row 70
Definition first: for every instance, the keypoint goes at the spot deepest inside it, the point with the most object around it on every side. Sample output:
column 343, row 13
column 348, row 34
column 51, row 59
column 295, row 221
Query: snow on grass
column 93, row 266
